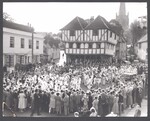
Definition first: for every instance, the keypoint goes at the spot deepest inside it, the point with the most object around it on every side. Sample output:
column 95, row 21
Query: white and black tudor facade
column 95, row 40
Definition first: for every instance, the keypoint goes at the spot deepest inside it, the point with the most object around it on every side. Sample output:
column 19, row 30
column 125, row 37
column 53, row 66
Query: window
column 36, row 57
column 28, row 59
column 102, row 45
column 9, row 60
column 108, row 46
column 110, row 34
column 37, row 44
column 95, row 32
column 139, row 45
column 25, row 59
column 78, row 45
column 22, row 42
column 30, row 44
column 72, row 32
column 12, row 41
column 70, row 45
column 99, row 45
column 21, row 59
column 112, row 47
column 90, row 45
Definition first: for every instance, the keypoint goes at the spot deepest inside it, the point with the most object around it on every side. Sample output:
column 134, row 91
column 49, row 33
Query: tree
column 53, row 42
column 128, row 36
column 136, row 32
column 61, row 45
column 7, row 17
column 116, row 26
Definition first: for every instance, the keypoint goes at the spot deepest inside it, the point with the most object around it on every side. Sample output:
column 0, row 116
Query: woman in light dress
column 22, row 101
column 52, row 103
column 95, row 104
column 115, row 108
column 85, row 100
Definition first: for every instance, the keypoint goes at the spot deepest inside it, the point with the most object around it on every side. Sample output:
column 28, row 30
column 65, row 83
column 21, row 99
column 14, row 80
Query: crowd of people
column 57, row 90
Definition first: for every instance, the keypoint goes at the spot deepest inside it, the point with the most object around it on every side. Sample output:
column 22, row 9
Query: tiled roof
column 98, row 23
column 143, row 39
column 16, row 26
column 102, row 23
column 76, row 24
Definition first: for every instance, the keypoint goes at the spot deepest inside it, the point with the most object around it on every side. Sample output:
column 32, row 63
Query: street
column 127, row 112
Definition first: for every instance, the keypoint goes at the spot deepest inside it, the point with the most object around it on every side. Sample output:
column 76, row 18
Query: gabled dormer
column 73, row 31
column 100, row 30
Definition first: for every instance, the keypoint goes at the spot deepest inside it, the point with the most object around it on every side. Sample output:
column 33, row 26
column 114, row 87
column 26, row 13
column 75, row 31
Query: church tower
column 122, row 18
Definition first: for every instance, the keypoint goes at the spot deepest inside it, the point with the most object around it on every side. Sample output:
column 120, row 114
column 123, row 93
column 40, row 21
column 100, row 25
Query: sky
column 52, row 16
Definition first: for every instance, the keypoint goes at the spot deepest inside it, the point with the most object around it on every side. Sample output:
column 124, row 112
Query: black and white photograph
column 75, row 59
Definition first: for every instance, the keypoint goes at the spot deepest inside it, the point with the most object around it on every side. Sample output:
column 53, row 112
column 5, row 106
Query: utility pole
column 32, row 30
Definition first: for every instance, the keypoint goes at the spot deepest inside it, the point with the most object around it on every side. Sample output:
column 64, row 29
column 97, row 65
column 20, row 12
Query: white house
column 17, row 44
column 142, row 48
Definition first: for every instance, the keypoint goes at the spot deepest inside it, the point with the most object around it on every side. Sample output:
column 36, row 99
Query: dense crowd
column 57, row 90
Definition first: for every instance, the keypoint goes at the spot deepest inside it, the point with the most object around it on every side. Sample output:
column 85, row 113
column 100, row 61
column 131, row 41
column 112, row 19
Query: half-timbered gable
column 97, row 39
column 97, row 30
column 103, row 37
column 74, row 31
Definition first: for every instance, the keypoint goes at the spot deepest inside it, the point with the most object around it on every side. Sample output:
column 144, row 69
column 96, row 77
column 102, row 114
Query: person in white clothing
column 22, row 101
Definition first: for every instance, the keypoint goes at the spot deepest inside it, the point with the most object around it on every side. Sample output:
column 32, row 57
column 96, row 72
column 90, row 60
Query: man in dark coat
column 78, row 101
column 90, row 101
column 41, row 101
column 36, row 103
column 134, row 94
column 104, row 103
column 120, row 102
column 100, row 111
column 45, row 102
column 74, row 101
column 15, row 99
column 110, row 101
column 139, row 96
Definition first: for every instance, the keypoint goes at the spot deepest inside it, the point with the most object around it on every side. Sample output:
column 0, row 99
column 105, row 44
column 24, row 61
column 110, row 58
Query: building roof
column 76, row 24
column 143, row 39
column 16, row 26
column 98, row 23
column 102, row 23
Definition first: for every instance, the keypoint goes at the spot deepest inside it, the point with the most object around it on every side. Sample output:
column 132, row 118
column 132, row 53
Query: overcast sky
column 51, row 17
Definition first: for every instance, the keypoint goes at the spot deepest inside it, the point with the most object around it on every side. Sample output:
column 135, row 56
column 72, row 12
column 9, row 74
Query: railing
column 3, row 109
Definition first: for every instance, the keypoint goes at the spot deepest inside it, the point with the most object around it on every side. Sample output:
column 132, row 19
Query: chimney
column 92, row 18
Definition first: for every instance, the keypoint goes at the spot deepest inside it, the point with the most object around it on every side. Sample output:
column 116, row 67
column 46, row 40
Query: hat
column 76, row 114
column 92, row 108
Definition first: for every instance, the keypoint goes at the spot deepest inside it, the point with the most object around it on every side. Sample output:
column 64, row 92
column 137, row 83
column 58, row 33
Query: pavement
column 127, row 113
column 130, row 112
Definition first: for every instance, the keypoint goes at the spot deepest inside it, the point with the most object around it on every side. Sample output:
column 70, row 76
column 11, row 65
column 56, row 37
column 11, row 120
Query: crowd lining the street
column 57, row 90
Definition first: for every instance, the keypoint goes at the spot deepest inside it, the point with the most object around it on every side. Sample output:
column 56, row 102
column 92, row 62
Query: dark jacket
column 120, row 99
column 36, row 99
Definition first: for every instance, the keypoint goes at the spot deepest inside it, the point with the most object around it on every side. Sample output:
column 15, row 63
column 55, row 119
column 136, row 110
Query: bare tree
column 7, row 17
